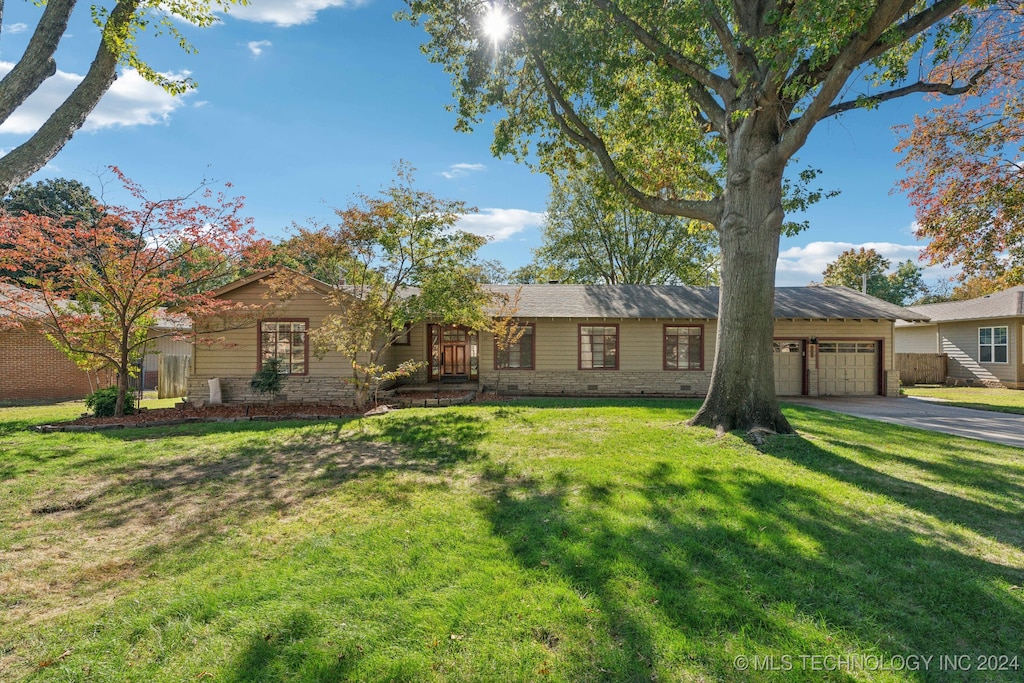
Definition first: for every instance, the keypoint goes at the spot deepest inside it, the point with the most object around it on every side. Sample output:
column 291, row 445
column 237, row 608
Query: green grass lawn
column 982, row 398
column 540, row 541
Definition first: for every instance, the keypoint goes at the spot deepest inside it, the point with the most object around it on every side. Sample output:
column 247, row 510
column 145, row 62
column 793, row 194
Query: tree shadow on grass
column 120, row 516
column 993, row 479
column 711, row 565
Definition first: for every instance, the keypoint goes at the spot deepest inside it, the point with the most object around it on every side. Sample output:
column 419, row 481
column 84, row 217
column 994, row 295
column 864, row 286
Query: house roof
column 1008, row 303
column 18, row 302
column 256, row 277
column 687, row 302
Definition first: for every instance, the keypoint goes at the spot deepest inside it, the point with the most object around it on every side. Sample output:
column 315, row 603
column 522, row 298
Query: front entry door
column 453, row 353
column 454, row 359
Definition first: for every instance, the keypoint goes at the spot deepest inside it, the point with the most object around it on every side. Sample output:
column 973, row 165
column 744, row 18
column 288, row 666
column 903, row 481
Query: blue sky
column 302, row 103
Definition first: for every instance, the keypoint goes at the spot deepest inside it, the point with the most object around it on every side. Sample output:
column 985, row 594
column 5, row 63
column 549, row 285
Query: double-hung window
column 993, row 345
column 287, row 341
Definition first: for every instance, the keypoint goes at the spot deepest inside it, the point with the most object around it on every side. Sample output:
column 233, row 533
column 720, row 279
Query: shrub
column 268, row 379
column 101, row 403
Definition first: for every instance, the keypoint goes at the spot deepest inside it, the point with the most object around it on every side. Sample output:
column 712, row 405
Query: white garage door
column 789, row 367
column 848, row 368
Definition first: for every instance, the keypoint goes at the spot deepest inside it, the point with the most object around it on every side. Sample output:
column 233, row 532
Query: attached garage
column 848, row 368
column 788, row 359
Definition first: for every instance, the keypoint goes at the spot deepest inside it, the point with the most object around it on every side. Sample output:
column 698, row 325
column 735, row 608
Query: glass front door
column 453, row 353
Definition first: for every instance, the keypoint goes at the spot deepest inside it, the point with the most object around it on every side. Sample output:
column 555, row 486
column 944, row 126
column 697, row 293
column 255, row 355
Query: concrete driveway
column 1001, row 428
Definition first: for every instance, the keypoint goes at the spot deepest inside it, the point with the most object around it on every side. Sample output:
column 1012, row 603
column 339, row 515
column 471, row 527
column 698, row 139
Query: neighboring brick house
column 982, row 338
column 582, row 340
column 32, row 369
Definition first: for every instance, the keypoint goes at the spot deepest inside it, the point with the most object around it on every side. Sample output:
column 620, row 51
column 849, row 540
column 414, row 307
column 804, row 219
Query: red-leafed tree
column 965, row 161
column 97, row 286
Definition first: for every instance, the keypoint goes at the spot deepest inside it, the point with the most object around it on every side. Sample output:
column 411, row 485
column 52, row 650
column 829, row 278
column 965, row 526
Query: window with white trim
column 993, row 345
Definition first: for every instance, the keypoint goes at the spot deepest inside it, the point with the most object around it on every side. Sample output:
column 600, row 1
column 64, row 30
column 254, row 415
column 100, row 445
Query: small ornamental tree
column 395, row 260
column 98, row 286
column 507, row 330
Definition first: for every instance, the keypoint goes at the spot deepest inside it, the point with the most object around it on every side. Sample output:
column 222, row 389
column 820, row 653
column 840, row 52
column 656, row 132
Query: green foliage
column 103, row 401
column 900, row 287
column 57, row 198
column 268, row 379
column 393, row 260
column 592, row 234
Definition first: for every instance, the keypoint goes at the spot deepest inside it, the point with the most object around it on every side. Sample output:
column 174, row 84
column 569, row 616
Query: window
column 599, row 347
column 992, row 345
column 684, row 347
column 518, row 356
column 285, row 340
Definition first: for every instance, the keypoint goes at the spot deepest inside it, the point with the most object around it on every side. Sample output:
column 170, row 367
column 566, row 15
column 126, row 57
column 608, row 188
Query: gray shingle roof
column 682, row 301
column 1008, row 303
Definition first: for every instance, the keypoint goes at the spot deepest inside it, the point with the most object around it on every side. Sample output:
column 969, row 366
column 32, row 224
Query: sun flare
column 496, row 23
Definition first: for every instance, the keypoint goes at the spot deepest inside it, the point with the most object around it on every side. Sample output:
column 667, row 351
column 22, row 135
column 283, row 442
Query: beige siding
column 917, row 339
column 166, row 346
column 233, row 357
column 641, row 357
column 641, row 361
column 959, row 341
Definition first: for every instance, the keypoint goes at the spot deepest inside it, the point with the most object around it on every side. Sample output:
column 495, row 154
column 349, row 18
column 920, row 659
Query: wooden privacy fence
column 921, row 368
column 173, row 377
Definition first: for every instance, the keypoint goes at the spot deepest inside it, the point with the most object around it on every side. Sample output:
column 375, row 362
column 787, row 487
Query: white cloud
column 256, row 46
column 19, row 27
column 797, row 266
column 131, row 101
column 459, row 170
column 500, row 224
column 288, row 12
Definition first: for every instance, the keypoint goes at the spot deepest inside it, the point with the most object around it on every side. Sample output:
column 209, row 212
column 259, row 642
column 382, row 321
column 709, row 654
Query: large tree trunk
column 742, row 392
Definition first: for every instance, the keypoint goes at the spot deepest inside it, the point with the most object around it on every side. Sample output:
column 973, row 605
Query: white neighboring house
column 983, row 338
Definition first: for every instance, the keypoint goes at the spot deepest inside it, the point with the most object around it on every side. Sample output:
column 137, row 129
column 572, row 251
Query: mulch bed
column 239, row 412
column 154, row 417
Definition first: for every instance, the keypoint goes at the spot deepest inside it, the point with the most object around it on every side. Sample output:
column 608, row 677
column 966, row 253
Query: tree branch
column 37, row 63
column 677, row 61
column 860, row 49
column 31, row 155
column 570, row 123
column 919, row 87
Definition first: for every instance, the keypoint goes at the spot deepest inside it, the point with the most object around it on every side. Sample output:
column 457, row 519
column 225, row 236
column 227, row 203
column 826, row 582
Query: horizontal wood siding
column 236, row 354
column 917, row 339
column 959, row 341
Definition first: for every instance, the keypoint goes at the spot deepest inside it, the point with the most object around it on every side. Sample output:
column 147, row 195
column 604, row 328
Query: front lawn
column 561, row 541
column 981, row 398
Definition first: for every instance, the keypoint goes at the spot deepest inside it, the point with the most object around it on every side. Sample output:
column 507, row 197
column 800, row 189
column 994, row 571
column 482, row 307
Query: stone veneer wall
column 303, row 389
column 599, row 382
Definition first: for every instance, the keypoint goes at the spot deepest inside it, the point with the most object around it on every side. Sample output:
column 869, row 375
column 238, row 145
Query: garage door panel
column 788, row 364
column 848, row 368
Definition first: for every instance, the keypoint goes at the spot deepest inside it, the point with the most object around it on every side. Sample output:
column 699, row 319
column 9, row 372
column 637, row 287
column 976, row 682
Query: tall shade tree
column 119, row 24
column 965, row 161
column 393, row 260
column 593, row 235
column 900, row 287
column 692, row 108
column 98, row 285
